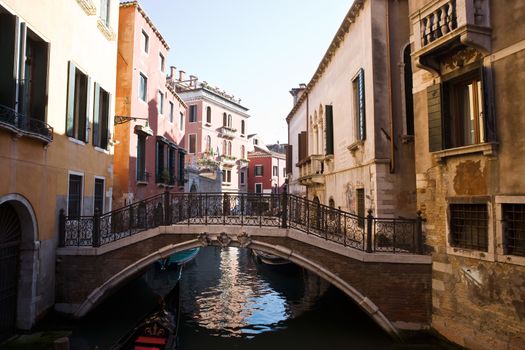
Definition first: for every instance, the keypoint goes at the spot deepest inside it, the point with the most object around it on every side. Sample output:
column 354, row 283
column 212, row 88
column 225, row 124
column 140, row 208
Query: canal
column 229, row 301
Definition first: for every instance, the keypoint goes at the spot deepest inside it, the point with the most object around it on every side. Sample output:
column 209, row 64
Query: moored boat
column 269, row 259
column 178, row 259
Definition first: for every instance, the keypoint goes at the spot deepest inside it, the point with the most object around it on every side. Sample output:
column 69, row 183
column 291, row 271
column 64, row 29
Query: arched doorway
column 10, row 238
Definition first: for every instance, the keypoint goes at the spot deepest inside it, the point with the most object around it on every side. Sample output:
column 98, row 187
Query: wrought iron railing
column 25, row 125
column 368, row 234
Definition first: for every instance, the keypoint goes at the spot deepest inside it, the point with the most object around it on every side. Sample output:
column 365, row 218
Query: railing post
column 96, row 228
column 242, row 209
column 284, row 209
column 369, row 223
column 224, row 209
column 167, row 211
column 61, row 228
column 307, row 216
column 206, row 208
column 419, row 233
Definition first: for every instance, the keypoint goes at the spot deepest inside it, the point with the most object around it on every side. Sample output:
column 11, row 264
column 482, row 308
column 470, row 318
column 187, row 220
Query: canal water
column 229, row 301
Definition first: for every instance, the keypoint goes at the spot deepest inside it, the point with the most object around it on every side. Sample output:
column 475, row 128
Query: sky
column 257, row 50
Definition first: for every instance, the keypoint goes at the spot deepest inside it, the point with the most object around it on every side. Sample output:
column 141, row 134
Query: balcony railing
column 311, row 170
column 25, row 126
column 443, row 20
column 228, row 160
column 227, row 132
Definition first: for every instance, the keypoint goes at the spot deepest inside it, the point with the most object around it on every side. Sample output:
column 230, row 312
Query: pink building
column 216, row 135
column 267, row 169
column 149, row 114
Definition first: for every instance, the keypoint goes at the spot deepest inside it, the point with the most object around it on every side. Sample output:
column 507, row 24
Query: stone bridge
column 376, row 262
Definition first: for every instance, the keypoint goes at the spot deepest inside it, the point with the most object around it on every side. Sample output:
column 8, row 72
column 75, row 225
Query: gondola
column 158, row 330
column 177, row 259
column 269, row 259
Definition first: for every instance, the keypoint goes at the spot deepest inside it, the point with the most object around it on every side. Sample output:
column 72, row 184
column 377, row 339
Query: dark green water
column 230, row 302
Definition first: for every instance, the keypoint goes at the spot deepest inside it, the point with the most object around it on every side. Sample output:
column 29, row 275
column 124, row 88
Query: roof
column 148, row 20
column 261, row 152
column 330, row 52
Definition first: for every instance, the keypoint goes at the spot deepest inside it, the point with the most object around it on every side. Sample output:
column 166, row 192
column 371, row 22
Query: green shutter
column 70, row 111
column 329, row 129
column 96, row 116
column 488, row 115
column 435, row 123
column 107, row 124
column 88, row 98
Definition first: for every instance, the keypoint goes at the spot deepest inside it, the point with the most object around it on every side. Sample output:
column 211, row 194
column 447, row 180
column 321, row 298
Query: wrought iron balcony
column 22, row 125
column 444, row 23
column 311, row 170
column 227, row 132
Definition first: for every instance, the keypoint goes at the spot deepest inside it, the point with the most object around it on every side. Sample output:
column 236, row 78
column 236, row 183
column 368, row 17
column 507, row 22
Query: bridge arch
column 116, row 281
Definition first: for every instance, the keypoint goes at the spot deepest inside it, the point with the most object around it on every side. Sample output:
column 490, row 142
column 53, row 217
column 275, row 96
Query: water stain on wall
column 470, row 179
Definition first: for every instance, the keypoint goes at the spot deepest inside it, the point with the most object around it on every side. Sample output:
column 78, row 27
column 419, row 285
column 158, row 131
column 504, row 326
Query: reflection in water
column 240, row 303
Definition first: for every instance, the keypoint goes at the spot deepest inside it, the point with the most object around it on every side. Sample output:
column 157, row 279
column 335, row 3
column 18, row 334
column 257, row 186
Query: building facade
column 350, row 131
column 267, row 168
column 469, row 101
column 56, row 127
column 216, row 135
column 149, row 157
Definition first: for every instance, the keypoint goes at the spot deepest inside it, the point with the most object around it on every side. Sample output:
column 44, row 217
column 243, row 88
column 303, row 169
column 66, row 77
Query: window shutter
column 104, row 10
column 70, row 112
column 88, row 98
column 361, row 96
column 329, row 130
column 488, row 115
column 289, row 155
column 107, row 124
column 96, row 116
column 435, row 128
column 303, row 145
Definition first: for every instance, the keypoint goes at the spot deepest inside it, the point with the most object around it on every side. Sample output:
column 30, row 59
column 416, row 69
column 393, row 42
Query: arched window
column 243, row 156
column 229, row 120
column 243, row 127
column 224, row 147
column 224, row 119
column 208, row 115
column 229, row 148
column 208, row 143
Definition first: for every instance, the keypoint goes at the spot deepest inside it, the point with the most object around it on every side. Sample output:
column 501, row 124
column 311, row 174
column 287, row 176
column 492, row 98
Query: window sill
column 489, row 149
column 207, row 124
column 78, row 142
column 88, row 7
column 355, row 146
column 107, row 31
column 471, row 254
column 511, row 259
column 101, row 150
column 142, row 183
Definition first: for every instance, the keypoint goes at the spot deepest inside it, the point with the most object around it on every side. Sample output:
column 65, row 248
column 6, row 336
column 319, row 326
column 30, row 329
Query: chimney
column 173, row 71
column 193, row 81
column 181, row 75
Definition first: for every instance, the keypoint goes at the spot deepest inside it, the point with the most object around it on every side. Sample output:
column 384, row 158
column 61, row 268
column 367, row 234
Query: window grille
column 514, row 229
column 469, row 226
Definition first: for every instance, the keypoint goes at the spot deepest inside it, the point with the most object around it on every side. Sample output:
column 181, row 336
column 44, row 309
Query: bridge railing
column 369, row 234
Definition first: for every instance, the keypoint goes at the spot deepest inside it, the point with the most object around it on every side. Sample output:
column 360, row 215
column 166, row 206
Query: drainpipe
column 389, row 78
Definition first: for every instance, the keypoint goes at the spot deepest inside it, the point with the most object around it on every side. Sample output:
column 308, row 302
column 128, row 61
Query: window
column 275, row 170
column 101, row 118
column 161, row 62
column 171, row 165
column 513, row 216
column 258, row 170
column 193, row 114
column 242, row 180
column 208, row 115
column 208, row 143
column 258, row 188
column 172, row 109
column 159, row 163
column 358, row 87
column 224, row 119
column 469, row 226
column 192, row 143
column 329, row 130
column 145, row 42
column 255, row 141
column 243, row 127
column 181, row 154
column 160, row 101
column 243, row 152
column 466, row 125
column 226, row 176
column 230, row 120
column 98, row 196
column 181, row 121
column 409, row 100
column 284, row 172
column 141, row 158
column 143, row 87
column 224, row 148
column 229, row 148
column 77, row 122
column 104, row 11
column 74, row 198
